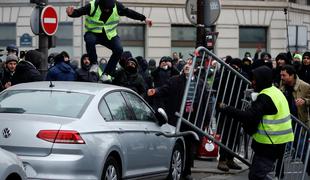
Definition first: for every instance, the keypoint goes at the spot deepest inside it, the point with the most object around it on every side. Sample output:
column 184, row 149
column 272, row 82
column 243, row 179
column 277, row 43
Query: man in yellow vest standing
column 102, row 19
column 268, row 120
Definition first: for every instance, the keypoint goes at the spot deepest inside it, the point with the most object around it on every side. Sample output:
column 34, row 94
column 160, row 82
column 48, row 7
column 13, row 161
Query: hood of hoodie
column 34, row 57
column 106, row 4
column 142, row 63
column 64, row 67
column 84, row 66
column 263, row 77
column 24, row 66
column 132, row 70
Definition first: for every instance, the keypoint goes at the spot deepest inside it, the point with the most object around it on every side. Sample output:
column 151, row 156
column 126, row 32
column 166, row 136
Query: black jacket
column 121, row 9
column 160, row 76
column 84, row 74
column 133, row 81
column 304, row 73
column 26, row 72
column 173, row 90
column 7, row 77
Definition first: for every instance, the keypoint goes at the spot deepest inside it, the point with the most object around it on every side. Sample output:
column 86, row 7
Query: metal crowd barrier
column 295, row 160
column 222, row 83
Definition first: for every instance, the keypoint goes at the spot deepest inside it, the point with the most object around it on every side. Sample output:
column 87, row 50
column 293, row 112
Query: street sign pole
column 200, row 33
column 44, row 22
column 43, row 38
column 203, row 14
column 43, row 47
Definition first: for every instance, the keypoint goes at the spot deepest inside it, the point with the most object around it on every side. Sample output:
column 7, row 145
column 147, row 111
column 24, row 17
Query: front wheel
column 111, row 170
column 176, row 164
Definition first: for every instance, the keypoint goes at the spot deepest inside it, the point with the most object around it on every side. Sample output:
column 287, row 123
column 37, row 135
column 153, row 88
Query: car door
column 131, row 136
column 159, row 148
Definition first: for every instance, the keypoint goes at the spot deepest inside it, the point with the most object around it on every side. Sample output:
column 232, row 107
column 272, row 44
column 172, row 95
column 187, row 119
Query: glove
column 220, row 106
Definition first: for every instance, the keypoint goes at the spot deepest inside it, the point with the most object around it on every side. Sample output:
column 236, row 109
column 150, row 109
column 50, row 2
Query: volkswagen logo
column 6, row 132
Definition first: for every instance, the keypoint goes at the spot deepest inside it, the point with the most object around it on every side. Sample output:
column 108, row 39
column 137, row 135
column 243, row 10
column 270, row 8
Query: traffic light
column 210, row 40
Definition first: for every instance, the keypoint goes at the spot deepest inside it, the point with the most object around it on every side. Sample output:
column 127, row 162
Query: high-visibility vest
column 278, row 127
column 95, row 25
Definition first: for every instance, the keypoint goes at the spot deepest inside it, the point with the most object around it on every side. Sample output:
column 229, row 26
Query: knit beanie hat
column 10, row 58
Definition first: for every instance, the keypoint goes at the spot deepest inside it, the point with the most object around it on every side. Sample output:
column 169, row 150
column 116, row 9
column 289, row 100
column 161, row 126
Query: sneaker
column 232, row 165
column 222, row 165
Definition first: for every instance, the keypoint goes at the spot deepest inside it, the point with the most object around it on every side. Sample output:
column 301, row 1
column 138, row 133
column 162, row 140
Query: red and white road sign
column 49, row 20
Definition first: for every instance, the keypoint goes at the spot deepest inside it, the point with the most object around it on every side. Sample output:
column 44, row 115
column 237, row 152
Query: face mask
column 131, row 69
column 165, row 67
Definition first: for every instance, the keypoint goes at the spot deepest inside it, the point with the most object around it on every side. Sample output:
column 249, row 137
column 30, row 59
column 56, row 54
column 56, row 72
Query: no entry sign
column 49, row 20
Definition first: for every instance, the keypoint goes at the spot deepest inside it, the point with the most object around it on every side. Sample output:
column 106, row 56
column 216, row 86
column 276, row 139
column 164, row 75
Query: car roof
column 81, row 87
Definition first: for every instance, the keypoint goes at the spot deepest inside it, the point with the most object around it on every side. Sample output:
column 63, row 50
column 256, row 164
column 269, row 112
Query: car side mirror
column 161, row 116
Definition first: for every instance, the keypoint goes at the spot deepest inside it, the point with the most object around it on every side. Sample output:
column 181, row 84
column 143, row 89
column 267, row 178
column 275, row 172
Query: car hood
column 19, row 133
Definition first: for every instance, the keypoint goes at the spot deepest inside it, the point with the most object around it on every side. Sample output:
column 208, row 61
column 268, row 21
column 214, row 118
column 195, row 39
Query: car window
column 117, row 106
column 140, row 108
column 104, row 110
column 57, row 103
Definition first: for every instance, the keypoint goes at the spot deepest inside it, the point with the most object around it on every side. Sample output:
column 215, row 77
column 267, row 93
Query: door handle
column 146, row 131
column 120, row 130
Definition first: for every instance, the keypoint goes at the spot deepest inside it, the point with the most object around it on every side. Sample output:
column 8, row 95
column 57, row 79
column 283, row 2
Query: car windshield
column 56, row 103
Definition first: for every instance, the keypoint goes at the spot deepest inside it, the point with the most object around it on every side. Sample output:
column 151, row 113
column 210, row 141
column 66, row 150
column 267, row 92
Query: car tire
column 111, row 170
column 176, row 164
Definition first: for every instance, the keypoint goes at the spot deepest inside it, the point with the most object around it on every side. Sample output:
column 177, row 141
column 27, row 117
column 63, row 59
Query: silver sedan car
column 74, row 130
column 11, row 167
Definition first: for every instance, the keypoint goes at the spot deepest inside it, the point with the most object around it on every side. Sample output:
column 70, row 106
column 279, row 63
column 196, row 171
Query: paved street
column 206, row 170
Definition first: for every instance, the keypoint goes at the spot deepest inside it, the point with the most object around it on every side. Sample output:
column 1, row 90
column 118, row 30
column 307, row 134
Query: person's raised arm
column 72, row 12
column 124, row 11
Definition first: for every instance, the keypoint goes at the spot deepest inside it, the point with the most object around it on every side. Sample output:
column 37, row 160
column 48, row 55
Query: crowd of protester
column 163, row 85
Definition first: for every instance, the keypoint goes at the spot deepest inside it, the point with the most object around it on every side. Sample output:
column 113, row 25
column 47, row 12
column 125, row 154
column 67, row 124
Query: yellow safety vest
column 95, row 25
column 278, row 126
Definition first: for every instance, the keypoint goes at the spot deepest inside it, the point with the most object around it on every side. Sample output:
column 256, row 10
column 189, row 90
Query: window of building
column 7, row 34
column 183, row 40
column 64, row 38
column 298, row 38
column 133, row 38
column 251, row 38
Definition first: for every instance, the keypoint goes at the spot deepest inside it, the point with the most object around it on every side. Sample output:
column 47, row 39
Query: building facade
column 242, row 26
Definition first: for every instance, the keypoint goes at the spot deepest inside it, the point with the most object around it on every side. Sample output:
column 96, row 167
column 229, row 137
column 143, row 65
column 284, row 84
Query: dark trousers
column 191, row 145
column 191, row 148
column 230, row 137
column 261, row 166
column 91, row 39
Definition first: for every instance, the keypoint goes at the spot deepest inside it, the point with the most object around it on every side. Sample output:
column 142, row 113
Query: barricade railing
column 293, row 164
column 209, row 85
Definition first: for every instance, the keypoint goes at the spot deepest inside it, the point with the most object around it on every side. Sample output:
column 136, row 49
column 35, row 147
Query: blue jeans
column 91, row 39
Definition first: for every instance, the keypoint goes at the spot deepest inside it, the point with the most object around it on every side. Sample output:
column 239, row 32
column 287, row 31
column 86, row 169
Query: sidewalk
column 207, row 170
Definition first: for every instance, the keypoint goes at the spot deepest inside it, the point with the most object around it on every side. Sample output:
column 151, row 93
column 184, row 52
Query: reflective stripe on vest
column 278, row 126
column 93, row 24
